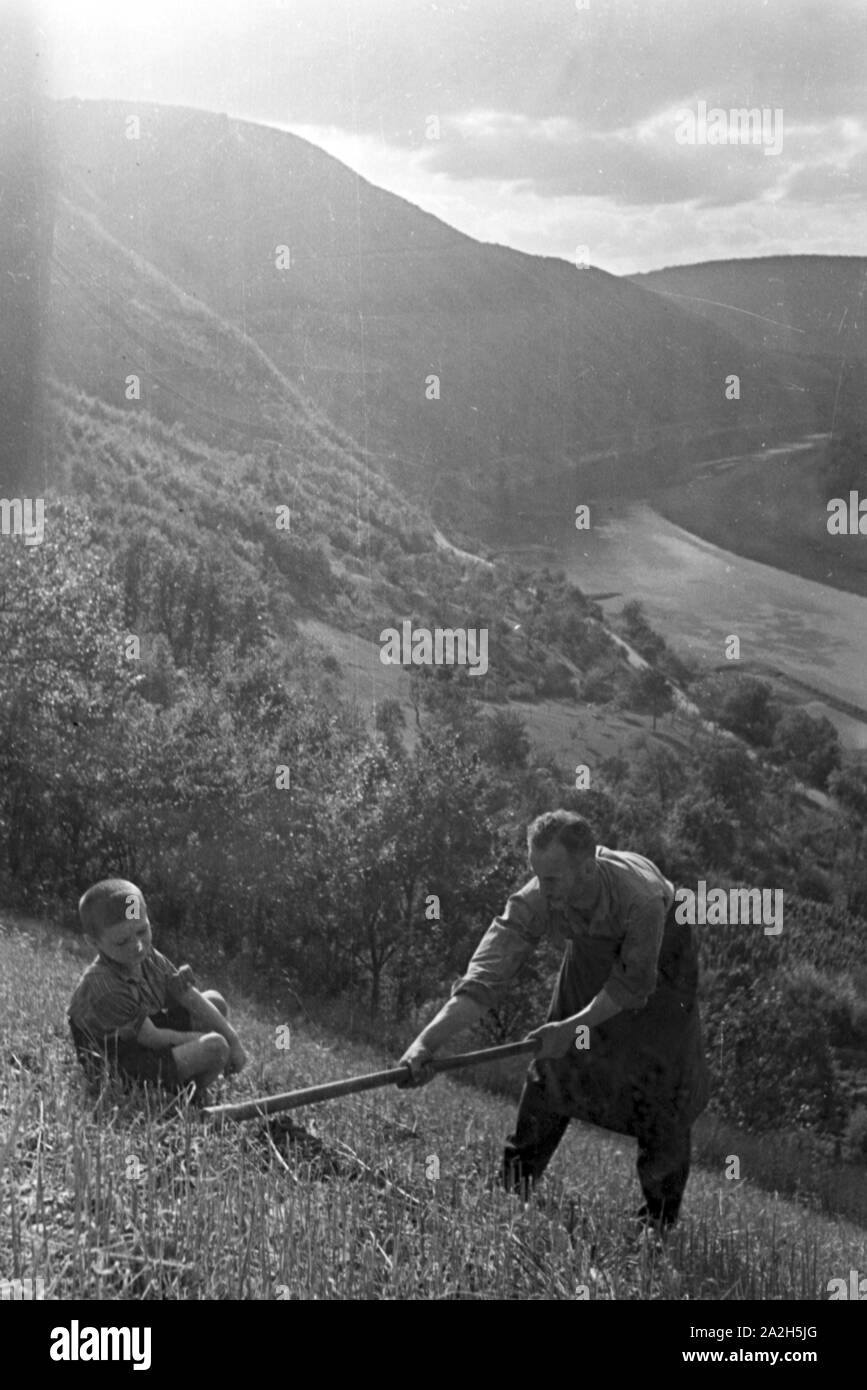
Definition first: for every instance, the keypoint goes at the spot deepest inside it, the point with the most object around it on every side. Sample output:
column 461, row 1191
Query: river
column 696, row 595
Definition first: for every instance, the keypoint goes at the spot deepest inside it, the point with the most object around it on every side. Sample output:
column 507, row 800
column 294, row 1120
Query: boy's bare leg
column 201, row 1061
column 208, row 1013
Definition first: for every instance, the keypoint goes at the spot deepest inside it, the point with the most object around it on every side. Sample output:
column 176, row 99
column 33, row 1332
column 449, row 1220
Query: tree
column 506, row 743
column 771, row 1063
column 702, row 832
column 653, row 770
column 743, row 705
column 848, row 787
column 390, row 722
column 809, row 747
column 415, row 827
column 63, row 686
column 554, row 680
column 634, row 619
column 639, row 632
column 601, row 680
column 649, row 690
column 729, row 774
column 615, row 770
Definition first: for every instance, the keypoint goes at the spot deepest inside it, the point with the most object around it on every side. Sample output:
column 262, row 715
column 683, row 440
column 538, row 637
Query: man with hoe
column 622, row 1045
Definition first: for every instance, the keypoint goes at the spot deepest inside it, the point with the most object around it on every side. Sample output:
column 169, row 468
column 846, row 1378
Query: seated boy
column 132, row 1008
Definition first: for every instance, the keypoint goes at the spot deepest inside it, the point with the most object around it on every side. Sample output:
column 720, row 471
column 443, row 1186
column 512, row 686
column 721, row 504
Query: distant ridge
column 811, row 305
column 542, row 369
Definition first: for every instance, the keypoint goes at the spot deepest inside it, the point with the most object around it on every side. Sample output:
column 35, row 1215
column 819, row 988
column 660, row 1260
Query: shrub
column 520, row 690
column 855, row 1136
column 731, row 777
column 834, row 999
column 650, row 692
column 772, row 1065
column 555, row 681
column 701, row 826
column 637, row 825
column 815, row 885
column 506, row 743
column 809, row 747
column 740, row 703
column 600, row 682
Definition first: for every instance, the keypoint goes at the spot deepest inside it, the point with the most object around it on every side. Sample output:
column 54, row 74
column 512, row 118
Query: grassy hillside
column 382, row 1196
column 568, row 730
column 140, row 477
column 166, row 265
column 191, row 528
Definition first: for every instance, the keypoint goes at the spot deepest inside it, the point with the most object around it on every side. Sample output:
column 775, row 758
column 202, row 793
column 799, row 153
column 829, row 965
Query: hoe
column 312, row 1095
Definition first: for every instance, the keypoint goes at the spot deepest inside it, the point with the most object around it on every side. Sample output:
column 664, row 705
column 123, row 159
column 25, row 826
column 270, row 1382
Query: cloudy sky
column 545, row 125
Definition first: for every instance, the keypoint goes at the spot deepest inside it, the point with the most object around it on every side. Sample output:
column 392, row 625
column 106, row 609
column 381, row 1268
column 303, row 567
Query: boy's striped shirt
column 109, row 1002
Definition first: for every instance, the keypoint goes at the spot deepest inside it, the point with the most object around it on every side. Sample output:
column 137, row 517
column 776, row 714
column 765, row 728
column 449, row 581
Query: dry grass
column 120, row 1200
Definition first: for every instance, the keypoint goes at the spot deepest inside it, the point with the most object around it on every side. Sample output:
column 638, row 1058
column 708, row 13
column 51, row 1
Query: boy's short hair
column 110, row 902
column 567, row 828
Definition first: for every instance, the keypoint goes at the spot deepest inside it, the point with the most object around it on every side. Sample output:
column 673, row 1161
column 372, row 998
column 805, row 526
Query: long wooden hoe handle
column 311, row 1095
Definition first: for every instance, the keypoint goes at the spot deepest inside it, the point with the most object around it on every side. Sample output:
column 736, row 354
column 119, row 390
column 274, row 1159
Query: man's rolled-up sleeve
column 633, row 978
column 507, row 943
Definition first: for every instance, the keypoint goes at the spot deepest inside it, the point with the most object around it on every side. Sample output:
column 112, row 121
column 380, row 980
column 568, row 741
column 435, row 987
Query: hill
column 192, row 529
column 382, row 1196
column 213, row 257
column 809, row 306
column 772, row 504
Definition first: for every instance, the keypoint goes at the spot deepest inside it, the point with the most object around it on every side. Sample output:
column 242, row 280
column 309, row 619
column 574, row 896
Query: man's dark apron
column 644, row 1065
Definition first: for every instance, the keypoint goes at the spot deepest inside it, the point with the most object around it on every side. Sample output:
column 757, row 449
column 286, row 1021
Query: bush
column 555, row 682
column 815, row 885
column 772, row 1065
column 855, row 1137
column 809, row 747
column 506, row 743
column 519, row 690
column 637, row 825
column 739, row 703
column 732, row 778
column 599, row 685
column 702, row 829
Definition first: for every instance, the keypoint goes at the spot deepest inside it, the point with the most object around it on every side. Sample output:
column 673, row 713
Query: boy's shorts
column 129, row 1059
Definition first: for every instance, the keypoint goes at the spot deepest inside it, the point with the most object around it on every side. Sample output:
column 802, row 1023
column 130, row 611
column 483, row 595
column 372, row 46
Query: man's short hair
column 110, row 902
column 567, row 828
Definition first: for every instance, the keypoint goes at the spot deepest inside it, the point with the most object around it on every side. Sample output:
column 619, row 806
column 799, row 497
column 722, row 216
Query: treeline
column 806, row 745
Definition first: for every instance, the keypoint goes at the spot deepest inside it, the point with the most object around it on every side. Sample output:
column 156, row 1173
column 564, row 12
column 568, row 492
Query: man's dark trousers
column 645, row 1075
column 663, row 1153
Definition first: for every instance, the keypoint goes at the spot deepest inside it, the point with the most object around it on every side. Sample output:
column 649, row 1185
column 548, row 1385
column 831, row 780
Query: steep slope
column 451, row 1236
column 541, row 366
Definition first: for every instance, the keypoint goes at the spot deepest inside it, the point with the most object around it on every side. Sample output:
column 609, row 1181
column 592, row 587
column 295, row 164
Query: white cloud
column 557, row 124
